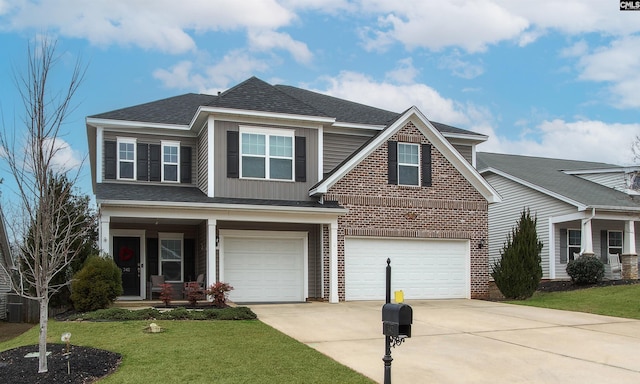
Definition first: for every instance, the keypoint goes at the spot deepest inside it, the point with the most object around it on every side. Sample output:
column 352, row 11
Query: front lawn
column 619, row 301
column 190, row 351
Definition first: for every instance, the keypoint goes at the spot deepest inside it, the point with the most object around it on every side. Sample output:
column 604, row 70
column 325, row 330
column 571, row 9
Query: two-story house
column 290, row 195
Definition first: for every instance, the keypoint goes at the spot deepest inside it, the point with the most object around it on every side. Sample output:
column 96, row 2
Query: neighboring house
column 290, row 195
column 7, row 265
column 582, row 208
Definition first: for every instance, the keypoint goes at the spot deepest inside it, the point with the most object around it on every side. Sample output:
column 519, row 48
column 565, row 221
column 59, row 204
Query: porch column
column 587, row 238
column 629, row 257
column 104, row 244
column 211, row 252
column 333, row 262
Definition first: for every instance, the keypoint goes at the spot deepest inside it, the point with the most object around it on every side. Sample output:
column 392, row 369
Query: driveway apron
column 468, row 341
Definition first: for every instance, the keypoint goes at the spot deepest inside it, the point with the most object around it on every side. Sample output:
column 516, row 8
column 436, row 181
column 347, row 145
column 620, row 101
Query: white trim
column 171, row 236
column 552, row 249
column 212, row 278
column 126, row 140
column 320, row 154
column 109, row 123
column 418, row 165
column 99, row 153
column 333, row 262
column 211, row 156
column 304, row 236
column 164, row 144
column 252, row 113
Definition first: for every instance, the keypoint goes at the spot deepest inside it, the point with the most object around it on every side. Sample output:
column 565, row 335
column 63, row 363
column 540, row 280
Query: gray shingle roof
column 256, row 95
column 168, row 193
column 548, row 174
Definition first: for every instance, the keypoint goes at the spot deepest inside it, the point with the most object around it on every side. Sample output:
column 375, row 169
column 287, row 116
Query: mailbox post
column 396, row 325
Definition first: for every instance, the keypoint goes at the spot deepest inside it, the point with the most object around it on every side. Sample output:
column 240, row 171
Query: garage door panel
column 264, row 269
column 422, row 268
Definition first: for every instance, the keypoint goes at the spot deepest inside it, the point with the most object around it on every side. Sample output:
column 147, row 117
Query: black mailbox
column 397, row 320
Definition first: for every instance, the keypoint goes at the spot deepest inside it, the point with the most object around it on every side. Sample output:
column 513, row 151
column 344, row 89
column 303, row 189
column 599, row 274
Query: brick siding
column 450, row 209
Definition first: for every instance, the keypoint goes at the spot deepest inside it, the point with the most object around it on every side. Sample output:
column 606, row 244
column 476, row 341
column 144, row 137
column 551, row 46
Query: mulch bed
column 558, row 286
column 87, row 365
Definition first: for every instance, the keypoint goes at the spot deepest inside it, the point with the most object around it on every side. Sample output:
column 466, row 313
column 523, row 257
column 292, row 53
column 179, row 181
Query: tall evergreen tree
column 518, row 272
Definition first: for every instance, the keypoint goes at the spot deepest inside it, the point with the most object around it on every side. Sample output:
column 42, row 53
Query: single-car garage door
column 264, row 266
column 422, row 268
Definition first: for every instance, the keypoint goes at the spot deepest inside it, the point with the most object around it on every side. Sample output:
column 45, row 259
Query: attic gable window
column 409, row 164
column 126, row 158
column 266, row 154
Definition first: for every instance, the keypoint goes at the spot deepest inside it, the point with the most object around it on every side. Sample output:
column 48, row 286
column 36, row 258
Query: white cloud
column 398, row 97
column 210, row 78
column 578, row 49
column 588, row 140
column 266, row 40
column 164, row 25
column 65, row 158
column 459, row 67
column 405, row 72
column 619, row 65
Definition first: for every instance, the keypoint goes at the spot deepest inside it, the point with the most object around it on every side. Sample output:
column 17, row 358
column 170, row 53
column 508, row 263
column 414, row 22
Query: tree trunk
column 44, row 321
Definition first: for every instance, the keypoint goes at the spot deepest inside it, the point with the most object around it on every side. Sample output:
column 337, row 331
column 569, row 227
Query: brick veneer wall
column 450, row 209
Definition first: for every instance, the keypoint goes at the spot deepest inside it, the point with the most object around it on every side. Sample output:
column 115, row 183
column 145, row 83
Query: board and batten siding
column 337, row 147
column 504, row 216
column 154, row 139
column 202, row 155
column 263, row 189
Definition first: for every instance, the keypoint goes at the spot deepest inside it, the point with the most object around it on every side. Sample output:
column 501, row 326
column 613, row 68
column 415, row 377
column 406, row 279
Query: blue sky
column 544, row 78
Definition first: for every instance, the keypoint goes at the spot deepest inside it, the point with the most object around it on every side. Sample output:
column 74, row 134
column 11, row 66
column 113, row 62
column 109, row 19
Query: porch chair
column 194, row 286
column 616, row 266
column 156, row 285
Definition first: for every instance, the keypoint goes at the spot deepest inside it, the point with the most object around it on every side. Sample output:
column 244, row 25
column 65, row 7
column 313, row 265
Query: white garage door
column 423, row 269
column 264, row 266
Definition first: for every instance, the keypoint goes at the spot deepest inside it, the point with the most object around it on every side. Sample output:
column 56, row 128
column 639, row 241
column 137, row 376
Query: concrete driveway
column 469, row 341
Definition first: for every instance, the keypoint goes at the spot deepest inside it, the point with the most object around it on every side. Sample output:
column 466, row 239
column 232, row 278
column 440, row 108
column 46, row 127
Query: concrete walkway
column 469, row 341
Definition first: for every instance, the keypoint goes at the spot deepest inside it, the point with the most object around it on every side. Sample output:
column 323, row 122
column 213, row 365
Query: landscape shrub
column 96, row 285
column 220, row 291
column 585, row 270
column 122, row 314
column 518, row 272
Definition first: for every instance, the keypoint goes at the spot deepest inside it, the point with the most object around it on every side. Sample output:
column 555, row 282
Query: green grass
column 618, row 301
column 189, row 351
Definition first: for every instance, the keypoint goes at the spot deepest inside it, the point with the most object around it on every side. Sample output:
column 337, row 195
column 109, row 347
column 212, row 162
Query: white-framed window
column 408, row 164
column 266, row 153
column 126, row 158
column 614, row 242
column 574, row 242
column 171, row 256
column 171, row 161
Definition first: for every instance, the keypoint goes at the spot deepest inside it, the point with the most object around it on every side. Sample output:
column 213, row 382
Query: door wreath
column 125, row 253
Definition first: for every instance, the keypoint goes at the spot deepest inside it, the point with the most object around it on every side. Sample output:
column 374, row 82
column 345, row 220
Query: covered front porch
column 267, row 255
column 600, row 233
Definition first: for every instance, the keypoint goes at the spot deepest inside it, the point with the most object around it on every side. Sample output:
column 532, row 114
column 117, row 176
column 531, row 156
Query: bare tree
column 48, row 228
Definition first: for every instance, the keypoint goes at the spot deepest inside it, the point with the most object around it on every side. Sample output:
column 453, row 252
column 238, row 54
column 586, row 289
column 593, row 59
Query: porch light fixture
column 481, row 244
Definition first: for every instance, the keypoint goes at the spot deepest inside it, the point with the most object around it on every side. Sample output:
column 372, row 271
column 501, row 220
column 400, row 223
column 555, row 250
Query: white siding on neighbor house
column 504, row 216
column 4, row 288
column 597, row 226
column 609, row 179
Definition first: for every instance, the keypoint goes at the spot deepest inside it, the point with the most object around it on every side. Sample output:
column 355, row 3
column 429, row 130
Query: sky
column 550, row 78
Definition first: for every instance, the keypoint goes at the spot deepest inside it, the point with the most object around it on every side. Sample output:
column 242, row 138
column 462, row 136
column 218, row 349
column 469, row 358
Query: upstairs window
column 170, row 161
column 266, row 154
column 126, row 159
column 408, row 164
column 615, row 242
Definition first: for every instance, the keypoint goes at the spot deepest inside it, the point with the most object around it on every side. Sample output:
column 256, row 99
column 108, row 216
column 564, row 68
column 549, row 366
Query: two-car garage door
column 421, row 268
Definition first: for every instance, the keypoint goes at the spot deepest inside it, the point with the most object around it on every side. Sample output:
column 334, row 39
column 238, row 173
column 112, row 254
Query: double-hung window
column 574, row 242
column 408, row 164
column 126, row 158
column 266, row 154
column 171, row 256
column 170, row 161
column 615, row 242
